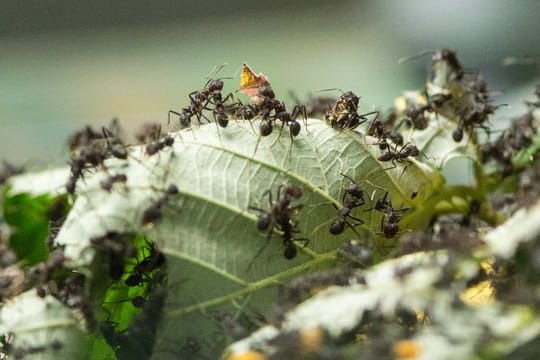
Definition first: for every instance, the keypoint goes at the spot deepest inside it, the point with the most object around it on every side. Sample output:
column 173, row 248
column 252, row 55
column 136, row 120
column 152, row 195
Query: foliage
column 156, row 251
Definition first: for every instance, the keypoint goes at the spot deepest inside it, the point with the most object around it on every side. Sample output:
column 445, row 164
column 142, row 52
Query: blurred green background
column 64, row 64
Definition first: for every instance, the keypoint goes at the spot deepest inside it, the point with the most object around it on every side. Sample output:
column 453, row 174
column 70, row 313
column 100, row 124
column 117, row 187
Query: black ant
column 117, row 246
column 199, row 101
column 90, row 149
column 280, row 216
column 315, row 105
column 391, row 216
column 355, row 255
column 344, row 114
column 153, row 213
column 149, row 132
column 407, row 150
column 9, row 170
column 353, row 197
column 478, row 114
column 115, row 146
column 159, row 145
column 271, row 109
column 377, row 129
column 108, row 183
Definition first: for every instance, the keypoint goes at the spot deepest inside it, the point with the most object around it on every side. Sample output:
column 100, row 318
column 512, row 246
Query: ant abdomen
column 337, row 227
column 294, row 128
column 290, row 251
column 266, row 128
column 263, row 222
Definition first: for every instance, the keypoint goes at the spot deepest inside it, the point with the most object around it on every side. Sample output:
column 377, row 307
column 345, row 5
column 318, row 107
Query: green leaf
column 209, row 234
column 28, row 217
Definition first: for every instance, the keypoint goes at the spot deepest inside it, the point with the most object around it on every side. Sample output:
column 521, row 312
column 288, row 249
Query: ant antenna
column 330, row 89
column 215, row 70
column 422, row 53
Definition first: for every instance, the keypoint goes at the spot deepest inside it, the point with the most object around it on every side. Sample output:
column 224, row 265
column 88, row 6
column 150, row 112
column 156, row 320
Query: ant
column 344, row 114
column 108, row 183
column 280, row 217
column 199, row 101
column 118, row 247
column 391, row 216
column 480, row 111
column 9, row 170
column 377, row 129
column 316, row 105
column 355, row 255
column 407, row 150
column 353, row 197
column 114, row 145
column 158, row 145
column 89, row 151
column 153, row 213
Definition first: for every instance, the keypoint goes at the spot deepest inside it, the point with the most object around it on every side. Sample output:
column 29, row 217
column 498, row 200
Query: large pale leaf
column 42, row 328
column 208, row 232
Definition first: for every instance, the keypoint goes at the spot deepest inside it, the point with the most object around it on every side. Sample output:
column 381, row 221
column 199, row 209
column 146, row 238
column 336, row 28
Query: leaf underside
column 208, row 232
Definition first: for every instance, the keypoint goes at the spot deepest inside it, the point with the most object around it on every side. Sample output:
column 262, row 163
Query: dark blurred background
column 64, row 64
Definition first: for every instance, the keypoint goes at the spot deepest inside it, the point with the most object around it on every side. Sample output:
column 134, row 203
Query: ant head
column 266, row 91
column 215, row 85
column 350, row 98
column 449, row 56
column 172, row 190
column 293, row 191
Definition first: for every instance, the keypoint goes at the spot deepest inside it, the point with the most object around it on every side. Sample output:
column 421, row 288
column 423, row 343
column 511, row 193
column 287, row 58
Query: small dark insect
column 280, row 216
column 9, row 170
column 148, row 133
column 201, row 100
column 115, row 146
column 378, row 129
column 153, row 213
column 407, row 150
column 353, row 197
column 118, row 247
column 344, row 114
column 391, row 216
column 316, row 106
column 355, row 255
column 158, row 145
column 449, row 57
column 108, row 183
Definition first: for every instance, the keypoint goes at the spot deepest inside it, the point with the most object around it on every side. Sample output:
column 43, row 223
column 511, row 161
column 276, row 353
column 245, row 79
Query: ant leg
column 261, row 249
column 169, row 115
column 360, row 221
column 353, row 228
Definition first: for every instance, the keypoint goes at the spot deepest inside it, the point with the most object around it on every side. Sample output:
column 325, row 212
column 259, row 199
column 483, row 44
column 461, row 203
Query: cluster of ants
column 148, row 277
column 280, row 216
column 90, row 148
column 223, row 108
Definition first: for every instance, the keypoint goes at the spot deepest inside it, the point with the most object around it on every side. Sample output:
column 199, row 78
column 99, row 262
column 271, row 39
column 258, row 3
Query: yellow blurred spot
column 480, row 294
column 248, row 355
column 311, row 339
column 360, row 338
column 406, row 349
